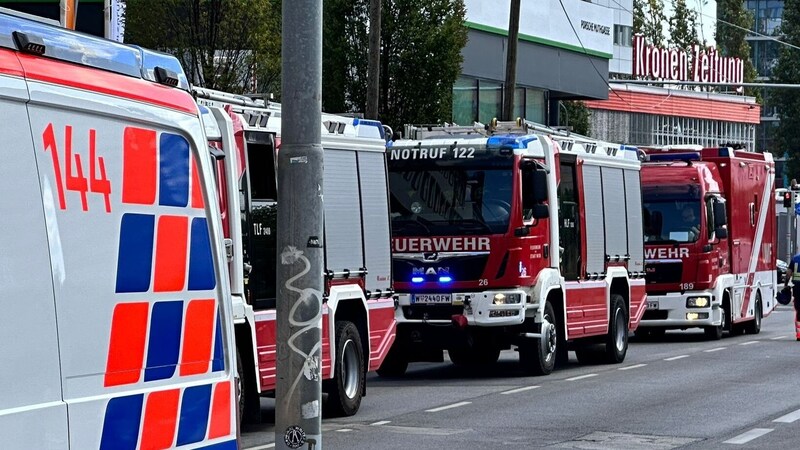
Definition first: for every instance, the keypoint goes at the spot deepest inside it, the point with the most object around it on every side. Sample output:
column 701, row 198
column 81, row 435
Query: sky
column 707, row 19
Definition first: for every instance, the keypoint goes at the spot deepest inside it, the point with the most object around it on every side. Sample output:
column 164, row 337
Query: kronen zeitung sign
column 701, row 64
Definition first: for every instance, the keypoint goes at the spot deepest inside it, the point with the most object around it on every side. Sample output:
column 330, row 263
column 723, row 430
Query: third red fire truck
column 513, row 235
column 709, row 239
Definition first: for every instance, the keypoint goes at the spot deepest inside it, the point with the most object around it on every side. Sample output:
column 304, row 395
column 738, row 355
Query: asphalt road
column 680, row 391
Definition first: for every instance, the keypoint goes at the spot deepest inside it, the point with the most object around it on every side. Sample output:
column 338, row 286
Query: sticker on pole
column 797, row 209
column 295, row 437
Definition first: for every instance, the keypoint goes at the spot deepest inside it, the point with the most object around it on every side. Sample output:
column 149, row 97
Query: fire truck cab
column 116, row 315
column 710, row 239
column 513, row 235
column 358, row 324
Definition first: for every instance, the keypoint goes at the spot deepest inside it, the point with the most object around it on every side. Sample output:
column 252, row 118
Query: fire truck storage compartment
column 614, row 217
column 374, row 203
column 356, row 224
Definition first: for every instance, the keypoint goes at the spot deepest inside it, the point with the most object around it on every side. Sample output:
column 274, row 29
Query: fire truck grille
column 664, row 272
column 431, row 312
column 469, row 267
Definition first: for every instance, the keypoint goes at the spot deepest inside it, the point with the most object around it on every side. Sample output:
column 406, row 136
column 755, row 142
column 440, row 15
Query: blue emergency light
column 417, row 279
column 445, row 279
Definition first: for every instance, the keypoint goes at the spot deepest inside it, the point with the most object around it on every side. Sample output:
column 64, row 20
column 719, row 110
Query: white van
column 114, row 329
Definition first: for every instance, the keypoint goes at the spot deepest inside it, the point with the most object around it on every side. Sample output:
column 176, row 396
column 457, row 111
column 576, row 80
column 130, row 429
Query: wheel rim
column 350, row 373
column 621, row 330
column 550, row 339
column 724, row 320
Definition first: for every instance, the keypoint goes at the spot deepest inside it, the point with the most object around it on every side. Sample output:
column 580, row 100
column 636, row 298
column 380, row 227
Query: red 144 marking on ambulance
column 78, row 181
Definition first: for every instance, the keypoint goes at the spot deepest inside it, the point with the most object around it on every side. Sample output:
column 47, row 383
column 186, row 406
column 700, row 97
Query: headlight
column 697, row 302
column 507, row 299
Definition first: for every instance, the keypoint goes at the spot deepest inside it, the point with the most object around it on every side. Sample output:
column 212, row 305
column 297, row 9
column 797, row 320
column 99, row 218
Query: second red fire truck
column 710, row 239
column 514, row 235
column 358, row 324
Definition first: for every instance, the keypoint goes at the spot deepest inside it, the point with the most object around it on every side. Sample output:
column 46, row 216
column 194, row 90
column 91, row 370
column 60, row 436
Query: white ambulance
column 114, row 329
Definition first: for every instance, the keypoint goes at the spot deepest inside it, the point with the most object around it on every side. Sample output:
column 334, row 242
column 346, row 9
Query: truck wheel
column 248, row 398
column 394, row 365
column 617, row 337
column 715, row 333
column 754, row 326
column 538, row 356
column 347, row 386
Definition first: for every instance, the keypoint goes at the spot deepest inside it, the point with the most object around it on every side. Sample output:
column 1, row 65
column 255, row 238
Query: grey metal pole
column 298, row 393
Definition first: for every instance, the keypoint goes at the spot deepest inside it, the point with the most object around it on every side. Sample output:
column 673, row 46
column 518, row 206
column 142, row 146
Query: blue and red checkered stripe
column 165, row 252
column 169, row 418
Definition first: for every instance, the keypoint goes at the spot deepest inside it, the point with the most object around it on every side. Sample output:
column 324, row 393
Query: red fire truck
column 358, row 324
column 513, row 235
column 709, row 239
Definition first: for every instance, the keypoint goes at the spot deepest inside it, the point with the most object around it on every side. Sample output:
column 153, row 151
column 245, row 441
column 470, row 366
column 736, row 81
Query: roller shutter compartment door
column 375, row 211
column 614, row 212
column 595, row 228
column 343, row 243
column 633, row 204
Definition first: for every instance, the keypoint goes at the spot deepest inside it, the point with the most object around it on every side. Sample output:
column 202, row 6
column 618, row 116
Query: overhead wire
column 753, row 32
column 585, row 52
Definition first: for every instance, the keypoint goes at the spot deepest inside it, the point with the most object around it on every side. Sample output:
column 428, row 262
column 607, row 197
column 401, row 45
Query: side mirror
column 720, row 217
column 540, row 211
column 540, row 185
column 721, row 233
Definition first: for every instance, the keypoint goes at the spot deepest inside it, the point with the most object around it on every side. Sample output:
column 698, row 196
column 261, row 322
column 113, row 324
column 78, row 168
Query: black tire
column 394, row 365
column 754, row 326
column 616, row 342
column 349, row 377
column 713, row 333
column 248, row 398
column 538, row 356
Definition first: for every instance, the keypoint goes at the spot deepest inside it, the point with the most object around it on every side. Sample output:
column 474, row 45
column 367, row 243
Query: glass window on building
column 623, row 35
column 465, row 101
column 764, row 55
column 535, row 107
column 490, row 100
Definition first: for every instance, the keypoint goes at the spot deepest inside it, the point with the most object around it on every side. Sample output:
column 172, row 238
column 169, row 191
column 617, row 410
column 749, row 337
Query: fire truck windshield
column 450, row 201
column 671, row 215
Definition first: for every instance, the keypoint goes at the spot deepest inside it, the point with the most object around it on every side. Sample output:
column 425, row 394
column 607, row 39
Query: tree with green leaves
column 575, row 115
column 683, row 26
column 421, row 42
column 649, row 19
column 788, row 100
column 231, row 45
column 731, row 38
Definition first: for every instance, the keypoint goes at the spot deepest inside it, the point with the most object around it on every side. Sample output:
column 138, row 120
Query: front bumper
column 479, row 308
column 671, row 311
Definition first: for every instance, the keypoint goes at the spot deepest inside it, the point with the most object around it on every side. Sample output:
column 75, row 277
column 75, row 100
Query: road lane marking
column 522, row 389
column 261, row 447
column 382, row 422
column 749, row 436
column 779, row 337
column 789, row 418
column 749, row 342
column 581, row 377
column 344, row 430
column 635, row 366
column 442, row 408
column 715, row 349
column 675, row 358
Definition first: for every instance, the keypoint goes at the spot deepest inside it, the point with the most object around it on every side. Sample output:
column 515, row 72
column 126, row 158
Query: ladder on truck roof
column 420, row 132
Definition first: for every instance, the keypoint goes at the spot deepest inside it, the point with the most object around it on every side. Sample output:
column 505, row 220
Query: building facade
column 655, row 116
column 563, row 53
